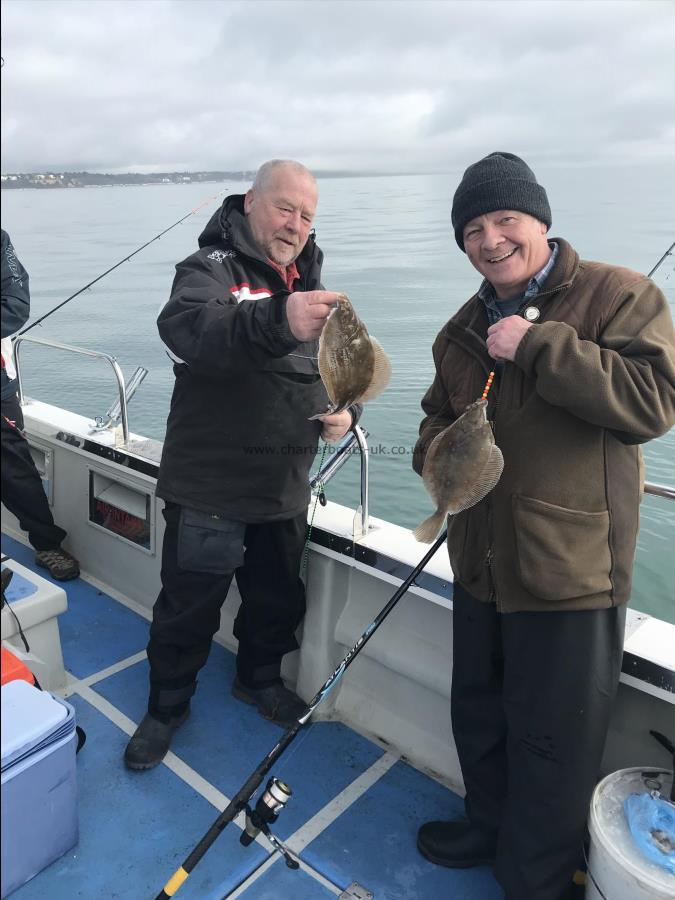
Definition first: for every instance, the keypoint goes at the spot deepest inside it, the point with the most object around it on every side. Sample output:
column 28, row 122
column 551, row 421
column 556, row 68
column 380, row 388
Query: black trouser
column 531, row 699
column 22, row 491
column 201, row 554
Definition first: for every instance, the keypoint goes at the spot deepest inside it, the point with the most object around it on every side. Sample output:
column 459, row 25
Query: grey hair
column 267, row 169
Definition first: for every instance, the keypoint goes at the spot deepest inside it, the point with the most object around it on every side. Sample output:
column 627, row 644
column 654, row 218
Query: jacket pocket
column 207, row 543
column 562, row 553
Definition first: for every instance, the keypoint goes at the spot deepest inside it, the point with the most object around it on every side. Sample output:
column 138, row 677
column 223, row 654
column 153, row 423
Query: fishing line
column 486, row 389
column 126, row 258
column 319, row 494
column 488, row 385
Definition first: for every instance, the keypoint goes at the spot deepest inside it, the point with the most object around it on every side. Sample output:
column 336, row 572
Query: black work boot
column 274, row 702
column 151, row 741
column 457, row 845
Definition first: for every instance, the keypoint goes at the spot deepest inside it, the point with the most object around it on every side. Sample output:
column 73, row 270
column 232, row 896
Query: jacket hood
column 230, row 217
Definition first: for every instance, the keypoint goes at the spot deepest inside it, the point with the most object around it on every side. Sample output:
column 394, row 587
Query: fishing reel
column 270, row 803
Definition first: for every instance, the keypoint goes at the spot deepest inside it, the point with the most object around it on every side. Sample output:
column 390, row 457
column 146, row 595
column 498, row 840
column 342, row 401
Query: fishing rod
column 112, row 268
column 276, row 793
column 667, row 253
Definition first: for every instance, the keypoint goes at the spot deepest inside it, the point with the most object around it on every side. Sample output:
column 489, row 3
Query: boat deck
column 353, row 816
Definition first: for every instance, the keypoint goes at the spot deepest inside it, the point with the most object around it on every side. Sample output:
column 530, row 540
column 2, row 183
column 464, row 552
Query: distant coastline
column 58, row 180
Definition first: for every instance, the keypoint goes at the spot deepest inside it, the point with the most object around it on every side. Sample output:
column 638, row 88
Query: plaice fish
column 462, row 465
column 352, row 364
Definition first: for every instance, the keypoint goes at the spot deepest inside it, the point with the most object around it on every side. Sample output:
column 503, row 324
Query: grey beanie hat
column 498, row 181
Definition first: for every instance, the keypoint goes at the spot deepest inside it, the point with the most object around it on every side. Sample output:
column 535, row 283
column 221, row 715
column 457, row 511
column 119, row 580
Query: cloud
column 360, row 86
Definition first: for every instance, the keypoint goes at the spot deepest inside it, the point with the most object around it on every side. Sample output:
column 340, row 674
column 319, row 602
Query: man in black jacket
column 22, row 491
column 241, row 325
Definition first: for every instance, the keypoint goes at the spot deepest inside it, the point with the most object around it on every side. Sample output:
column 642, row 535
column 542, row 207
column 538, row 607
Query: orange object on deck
column 13, row 668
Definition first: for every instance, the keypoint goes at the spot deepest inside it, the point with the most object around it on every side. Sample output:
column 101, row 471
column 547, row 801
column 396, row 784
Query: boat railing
column 355, row 440
column 96, row 354
column 659, row 490
column 345, row 449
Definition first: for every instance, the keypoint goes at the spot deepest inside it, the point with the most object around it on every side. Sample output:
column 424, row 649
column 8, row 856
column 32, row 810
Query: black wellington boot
column 274, row 702
column 151, row 741
column 457, row 845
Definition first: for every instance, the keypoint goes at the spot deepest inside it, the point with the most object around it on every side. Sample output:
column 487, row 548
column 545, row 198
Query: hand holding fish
column 307, row 312
column 505, row 336
column 353, row 366
column 335, row 426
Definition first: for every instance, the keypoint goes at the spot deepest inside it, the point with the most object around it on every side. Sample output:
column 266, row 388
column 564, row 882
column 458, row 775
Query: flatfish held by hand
column 352, row 364
column 462, row 465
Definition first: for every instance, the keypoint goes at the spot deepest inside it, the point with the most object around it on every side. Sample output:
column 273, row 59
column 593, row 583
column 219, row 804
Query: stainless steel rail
column 659, row 490
column 93, row 353
column 363, row 447
column 345, row 449
column 357, row 438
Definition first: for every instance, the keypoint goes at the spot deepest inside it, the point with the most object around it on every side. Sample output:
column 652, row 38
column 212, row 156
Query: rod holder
column 113, row 413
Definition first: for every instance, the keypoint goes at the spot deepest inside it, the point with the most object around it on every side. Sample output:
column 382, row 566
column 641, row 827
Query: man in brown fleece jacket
column 584, row 355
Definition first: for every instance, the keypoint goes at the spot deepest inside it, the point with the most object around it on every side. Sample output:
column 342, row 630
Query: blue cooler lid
column 19, row 587
column 31, row 720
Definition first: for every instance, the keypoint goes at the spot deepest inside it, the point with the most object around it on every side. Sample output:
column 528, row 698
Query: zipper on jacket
column 453, row 338
column 489, row 559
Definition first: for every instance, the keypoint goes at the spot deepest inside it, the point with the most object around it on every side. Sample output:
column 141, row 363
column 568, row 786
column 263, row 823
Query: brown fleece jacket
column 593, row 379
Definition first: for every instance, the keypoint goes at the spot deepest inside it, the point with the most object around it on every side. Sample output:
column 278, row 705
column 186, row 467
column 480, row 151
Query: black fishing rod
column 276, row 793
column 112, row 268
column 667, row 253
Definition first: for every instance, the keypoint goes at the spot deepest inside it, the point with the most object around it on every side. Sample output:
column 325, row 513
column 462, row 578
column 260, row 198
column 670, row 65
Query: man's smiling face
column 507, row 247
column 281, row 214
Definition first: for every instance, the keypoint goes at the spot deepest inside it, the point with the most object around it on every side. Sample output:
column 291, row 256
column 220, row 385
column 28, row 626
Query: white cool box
column 39, row 784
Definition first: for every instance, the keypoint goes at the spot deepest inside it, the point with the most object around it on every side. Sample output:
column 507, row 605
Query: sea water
column 388, row 244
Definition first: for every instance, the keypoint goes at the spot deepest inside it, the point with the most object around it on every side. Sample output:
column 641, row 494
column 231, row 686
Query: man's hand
column 505, row 335
column 335, row 426
column 307, row 312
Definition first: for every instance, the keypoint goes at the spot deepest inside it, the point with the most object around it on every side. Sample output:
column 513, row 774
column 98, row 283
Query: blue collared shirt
column 497, row 310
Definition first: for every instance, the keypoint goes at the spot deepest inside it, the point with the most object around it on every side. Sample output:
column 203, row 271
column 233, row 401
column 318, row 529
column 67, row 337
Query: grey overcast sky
column 356, row 85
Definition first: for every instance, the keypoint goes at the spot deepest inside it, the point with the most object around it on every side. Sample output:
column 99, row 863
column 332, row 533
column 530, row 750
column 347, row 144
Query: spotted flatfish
column 353, row 366
column 462, row 465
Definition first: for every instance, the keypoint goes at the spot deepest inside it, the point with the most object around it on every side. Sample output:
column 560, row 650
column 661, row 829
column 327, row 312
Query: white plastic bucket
column 619, row 869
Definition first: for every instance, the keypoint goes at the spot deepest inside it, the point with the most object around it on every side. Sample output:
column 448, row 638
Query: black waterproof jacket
column 15, row 309
column 239, row 442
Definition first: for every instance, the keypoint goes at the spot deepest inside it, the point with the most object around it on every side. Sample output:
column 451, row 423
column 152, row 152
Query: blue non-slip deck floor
column 96, row 632
column 137, row 828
